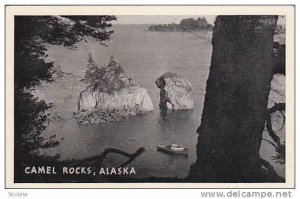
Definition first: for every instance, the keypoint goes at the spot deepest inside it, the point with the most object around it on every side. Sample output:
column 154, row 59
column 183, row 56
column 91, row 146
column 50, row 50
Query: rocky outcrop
column 175, row 92
column 110, row 95
column 97, row 107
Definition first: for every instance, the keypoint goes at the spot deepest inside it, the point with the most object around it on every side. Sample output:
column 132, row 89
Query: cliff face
column 175, row 92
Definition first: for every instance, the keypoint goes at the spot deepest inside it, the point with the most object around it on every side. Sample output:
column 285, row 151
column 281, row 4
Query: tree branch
column 277, row 107
column 98, row 160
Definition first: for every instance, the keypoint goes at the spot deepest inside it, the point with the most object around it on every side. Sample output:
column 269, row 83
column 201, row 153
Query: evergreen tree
column 103, row 79
column 91, row 74
column 32, row 34
column 236, row 100
column 114, row 67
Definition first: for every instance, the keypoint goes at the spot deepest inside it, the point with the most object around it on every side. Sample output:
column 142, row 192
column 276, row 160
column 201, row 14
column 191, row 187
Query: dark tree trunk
column 236, row 101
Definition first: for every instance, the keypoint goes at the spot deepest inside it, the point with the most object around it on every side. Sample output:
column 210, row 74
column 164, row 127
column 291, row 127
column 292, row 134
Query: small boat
column 173, row 149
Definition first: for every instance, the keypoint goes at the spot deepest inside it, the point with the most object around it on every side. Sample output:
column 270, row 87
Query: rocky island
column 175, row 92
column 186, row 25
column 110, row 95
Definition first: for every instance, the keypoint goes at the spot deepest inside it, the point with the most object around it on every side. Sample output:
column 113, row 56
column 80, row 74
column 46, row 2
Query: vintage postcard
column 150, row 97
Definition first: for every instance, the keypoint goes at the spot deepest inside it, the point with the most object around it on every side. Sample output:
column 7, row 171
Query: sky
column 165, row 19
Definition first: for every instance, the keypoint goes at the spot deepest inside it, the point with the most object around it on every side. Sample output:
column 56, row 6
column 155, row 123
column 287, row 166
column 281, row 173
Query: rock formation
column 111, row 97
column 96, row 107
column 175, row 92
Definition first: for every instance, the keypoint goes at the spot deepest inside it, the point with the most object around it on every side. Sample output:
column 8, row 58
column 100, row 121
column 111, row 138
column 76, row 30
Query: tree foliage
column 194, row 24
column 104, row 79
column 32, row 35
column 91, row 74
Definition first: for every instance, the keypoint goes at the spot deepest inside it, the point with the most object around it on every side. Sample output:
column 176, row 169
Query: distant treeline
column 188, row 24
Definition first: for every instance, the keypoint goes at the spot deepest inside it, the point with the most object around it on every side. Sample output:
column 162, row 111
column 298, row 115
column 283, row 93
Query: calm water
column 144, row 56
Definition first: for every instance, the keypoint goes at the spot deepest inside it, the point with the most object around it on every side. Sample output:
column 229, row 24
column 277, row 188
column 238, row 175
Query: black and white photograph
column 150, row 98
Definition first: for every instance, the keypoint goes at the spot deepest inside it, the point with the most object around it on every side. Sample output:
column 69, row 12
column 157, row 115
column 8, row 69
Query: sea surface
column 144, row 56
